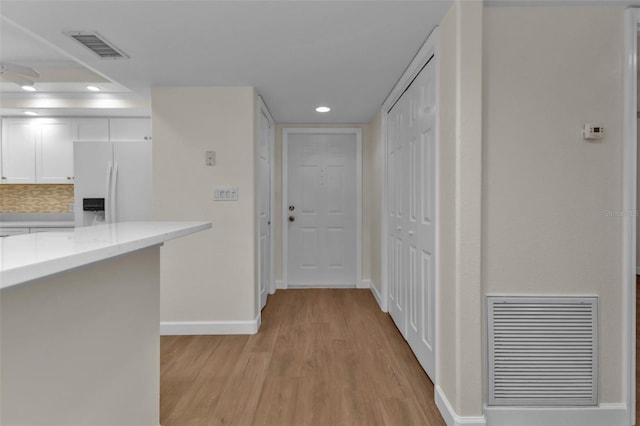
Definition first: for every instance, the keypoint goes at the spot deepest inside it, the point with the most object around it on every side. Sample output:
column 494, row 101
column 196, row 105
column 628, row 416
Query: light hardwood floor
column 322, row 357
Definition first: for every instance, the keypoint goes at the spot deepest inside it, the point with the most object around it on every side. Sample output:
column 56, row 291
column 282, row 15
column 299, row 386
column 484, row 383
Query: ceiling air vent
column 96, row 43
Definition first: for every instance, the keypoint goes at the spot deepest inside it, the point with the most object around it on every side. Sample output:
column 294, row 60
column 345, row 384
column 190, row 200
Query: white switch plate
column 225, row 193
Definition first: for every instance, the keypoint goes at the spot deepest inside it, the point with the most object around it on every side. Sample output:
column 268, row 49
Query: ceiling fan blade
column 21, row 70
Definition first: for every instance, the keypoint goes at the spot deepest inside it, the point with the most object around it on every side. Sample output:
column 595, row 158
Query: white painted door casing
column 265, row 146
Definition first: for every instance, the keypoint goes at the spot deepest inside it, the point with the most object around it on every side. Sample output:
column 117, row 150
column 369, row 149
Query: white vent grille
column 97, row 44
column 542, row 351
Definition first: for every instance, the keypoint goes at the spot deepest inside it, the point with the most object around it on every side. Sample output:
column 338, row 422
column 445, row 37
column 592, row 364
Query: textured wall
column 35, row 198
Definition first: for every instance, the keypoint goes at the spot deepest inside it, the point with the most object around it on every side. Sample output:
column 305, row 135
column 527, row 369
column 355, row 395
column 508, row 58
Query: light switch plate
column 210, row 158
column 225, row 193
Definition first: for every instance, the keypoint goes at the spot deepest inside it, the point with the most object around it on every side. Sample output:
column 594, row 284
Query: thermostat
column 592, row 131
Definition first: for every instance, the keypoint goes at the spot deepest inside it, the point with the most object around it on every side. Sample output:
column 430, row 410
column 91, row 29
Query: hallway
column 322, row 357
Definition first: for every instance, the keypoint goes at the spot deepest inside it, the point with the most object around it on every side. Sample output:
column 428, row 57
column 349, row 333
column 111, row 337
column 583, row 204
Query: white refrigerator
column 113, row 182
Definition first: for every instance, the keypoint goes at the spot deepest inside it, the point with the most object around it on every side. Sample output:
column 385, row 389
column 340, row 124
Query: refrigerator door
column 133, row 187
column 90, row 164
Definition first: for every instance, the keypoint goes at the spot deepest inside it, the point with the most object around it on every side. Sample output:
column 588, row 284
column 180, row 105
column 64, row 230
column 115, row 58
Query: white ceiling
column 298, row 54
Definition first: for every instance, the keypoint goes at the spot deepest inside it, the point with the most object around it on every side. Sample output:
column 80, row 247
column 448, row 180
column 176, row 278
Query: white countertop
column 30, row 256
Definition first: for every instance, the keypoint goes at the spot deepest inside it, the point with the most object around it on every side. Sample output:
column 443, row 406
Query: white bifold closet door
column 411, row 160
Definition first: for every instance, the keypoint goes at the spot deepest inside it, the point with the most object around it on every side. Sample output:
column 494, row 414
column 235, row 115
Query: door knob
column 292, row 219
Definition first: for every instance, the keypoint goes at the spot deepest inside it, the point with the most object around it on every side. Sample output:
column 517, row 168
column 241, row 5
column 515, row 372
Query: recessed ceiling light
column 323, row 109
column 30, row 113
column 93, row 88
column 28, row 88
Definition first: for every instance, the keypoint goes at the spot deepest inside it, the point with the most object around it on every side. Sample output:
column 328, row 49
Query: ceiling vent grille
column 542, row 351
column 96, row 43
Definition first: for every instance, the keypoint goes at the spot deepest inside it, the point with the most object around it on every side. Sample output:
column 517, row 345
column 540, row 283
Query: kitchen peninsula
column 80, row 324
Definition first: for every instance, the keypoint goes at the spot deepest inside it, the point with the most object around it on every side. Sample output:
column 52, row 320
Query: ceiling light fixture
column 93, row 88
column 30, row 113
column 323, row 109
column 28, row 88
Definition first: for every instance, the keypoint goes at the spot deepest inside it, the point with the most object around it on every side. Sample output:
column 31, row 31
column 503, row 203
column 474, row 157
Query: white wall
column 459, row 375
column 546, row 191
column 209, row 276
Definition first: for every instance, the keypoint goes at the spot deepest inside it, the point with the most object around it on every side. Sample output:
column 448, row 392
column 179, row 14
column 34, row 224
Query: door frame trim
column 286, row 131
column 422, row 57
column 629, row 203
column 271, row 286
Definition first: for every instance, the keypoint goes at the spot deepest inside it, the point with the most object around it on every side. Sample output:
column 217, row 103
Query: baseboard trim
column 605, row 414
column 377, row 296
column 638, row 270
column 451, row 418
column 184, row 328
column 364, row 284
column 280, row 285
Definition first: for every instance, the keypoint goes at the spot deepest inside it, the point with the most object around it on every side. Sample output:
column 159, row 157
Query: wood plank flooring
column 322, row 357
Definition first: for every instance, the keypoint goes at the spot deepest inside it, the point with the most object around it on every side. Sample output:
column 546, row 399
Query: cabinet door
column 92, row 129
column 129, row 129
column 54, row 150
column 18, row 151
column 7, row 232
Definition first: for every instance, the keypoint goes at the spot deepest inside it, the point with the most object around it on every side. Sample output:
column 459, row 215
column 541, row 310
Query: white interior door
column 264, row 207
column 412, row 225
column 321, row 209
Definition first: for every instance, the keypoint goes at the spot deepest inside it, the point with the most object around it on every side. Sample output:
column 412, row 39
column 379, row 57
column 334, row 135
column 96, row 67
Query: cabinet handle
column 4, row 177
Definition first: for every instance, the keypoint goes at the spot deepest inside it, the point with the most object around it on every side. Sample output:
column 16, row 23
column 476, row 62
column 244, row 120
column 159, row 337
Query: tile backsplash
column 35, row 198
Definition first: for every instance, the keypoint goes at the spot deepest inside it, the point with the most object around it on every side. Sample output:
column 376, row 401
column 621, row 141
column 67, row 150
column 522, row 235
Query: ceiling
column 298, row 54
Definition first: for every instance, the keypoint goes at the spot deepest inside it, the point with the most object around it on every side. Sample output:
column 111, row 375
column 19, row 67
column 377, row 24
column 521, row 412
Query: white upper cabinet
column 129, row 129
column 18, row 150
column 92, row 129
column 54, row 150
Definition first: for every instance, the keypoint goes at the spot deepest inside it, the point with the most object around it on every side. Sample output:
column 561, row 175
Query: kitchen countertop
column 31, row 256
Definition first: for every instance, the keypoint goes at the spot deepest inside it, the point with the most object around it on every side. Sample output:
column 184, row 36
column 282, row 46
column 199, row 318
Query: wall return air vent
column 542, row 351
column 97, row 44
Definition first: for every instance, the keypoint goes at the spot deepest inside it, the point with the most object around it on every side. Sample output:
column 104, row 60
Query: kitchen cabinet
column 92, row 129
column 18, row 150
column 129, row 129
column 54, row 150
column 49, row 229
column 40, row 150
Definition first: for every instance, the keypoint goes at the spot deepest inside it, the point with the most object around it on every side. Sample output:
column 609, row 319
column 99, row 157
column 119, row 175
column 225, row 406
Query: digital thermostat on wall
column 592, row 131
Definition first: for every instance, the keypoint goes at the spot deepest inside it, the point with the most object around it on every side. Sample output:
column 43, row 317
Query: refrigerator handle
column 113, row 194
column 107, row 194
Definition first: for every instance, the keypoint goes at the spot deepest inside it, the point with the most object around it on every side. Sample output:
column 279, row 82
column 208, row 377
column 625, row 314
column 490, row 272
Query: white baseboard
column 605, row 414
column 451, row 418
column 638, row 270
column 377, row 296
column 280, row 285
column 179, row 328
column 364, row 284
